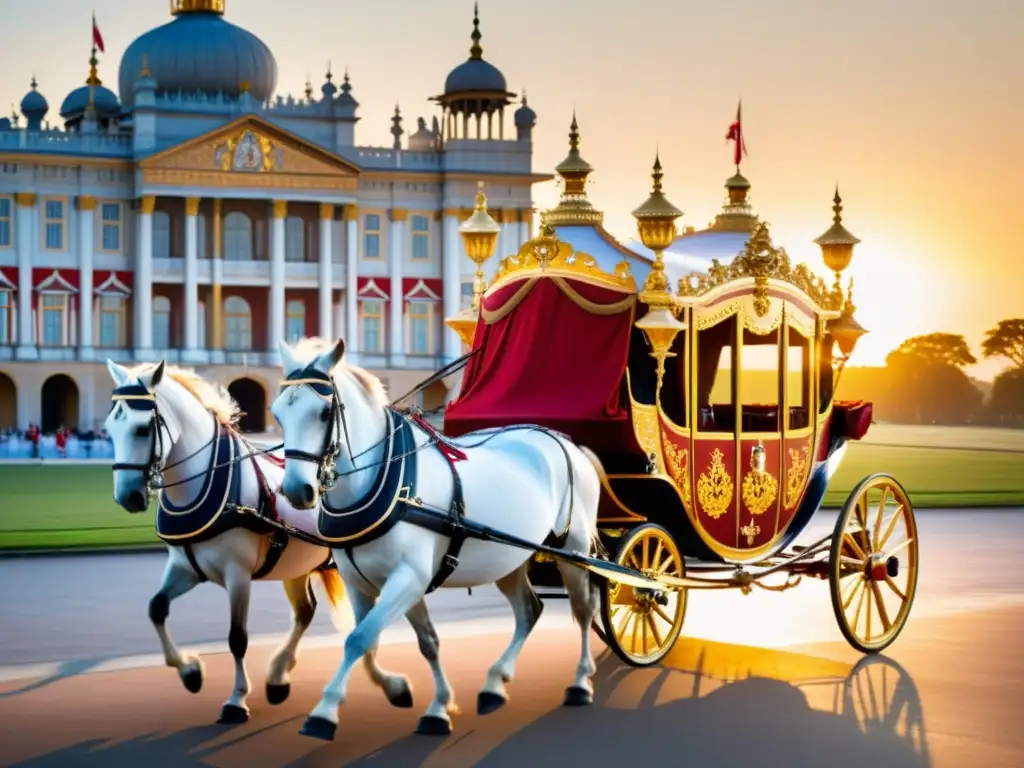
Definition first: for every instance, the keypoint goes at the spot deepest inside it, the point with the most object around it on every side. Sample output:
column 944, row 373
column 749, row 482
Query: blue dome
column 104, row 99
column 200, row 52
column 525, row 117
column 34, row 106
column 475, row 75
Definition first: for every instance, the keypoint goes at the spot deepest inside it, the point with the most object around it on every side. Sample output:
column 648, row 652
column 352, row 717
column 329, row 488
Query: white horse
column 167, row 418
column 526, row 483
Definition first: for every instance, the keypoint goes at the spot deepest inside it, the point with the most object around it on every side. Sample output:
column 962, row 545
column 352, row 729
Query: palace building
column 196, row 216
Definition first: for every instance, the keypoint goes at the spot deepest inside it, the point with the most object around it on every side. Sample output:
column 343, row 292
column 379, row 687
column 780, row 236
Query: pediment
column 250, row 152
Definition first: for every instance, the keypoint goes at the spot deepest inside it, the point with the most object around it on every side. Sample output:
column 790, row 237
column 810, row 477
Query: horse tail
column 334, row 589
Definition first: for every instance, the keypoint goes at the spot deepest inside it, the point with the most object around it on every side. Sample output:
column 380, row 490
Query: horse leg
column 526, row 607
column 177, row 581
column 403, row 589
column 583, row 596
column 396, row 687
column 435, row 720
column 239, row 586
column 303, row 601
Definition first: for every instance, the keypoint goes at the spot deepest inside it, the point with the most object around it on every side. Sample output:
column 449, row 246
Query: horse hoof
column 277, row 694
column 578, row 697
column 431, row 725
column 230, row 714
column 319, row 728
column 193, row 680
column 402, row 699
column 487, row 702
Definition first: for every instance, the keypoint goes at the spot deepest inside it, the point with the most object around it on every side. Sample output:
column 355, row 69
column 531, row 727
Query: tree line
column 924, row 381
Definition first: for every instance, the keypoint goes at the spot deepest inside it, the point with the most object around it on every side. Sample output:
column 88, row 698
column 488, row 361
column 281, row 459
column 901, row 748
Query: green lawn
column 56, row 506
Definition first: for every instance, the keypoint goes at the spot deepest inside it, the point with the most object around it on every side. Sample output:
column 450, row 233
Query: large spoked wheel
column 873, row 563
column 642, row 625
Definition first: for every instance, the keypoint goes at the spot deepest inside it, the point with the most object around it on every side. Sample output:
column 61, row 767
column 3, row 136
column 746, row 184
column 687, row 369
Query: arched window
column 237, row 324
column 295, row 327
column 161, row 322
column 294, row 240
column 161, row 235
column 237, row 237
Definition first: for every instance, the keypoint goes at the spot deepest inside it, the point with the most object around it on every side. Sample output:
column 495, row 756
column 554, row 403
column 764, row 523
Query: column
column 451, row 265
column 216, row 308
column 191, row 278
column 25, row 225
column 86, row 244
column 352, row 341
column 396, row 262
column 326, row 272
column 526, row 225
column 277, row 276
column 509, row 232
column 144, row 280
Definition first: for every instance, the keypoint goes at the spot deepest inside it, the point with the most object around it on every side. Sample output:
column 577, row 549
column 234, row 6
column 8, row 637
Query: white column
column 25, row 225
column 277, row 276
column 452, row 281
column 396, row 263
column 326, row 273
column 87, row 400
column 352, row 341
column 144, row 280
column 86, row 244
column 524, row 227
column 191, row 276
column 340, row 329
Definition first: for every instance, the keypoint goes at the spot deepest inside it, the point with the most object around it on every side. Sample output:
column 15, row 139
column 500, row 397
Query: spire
column 145, row 71
column 476, row 52
column 837, row 234
column 396, row 128
column 34, row 84
column 94, row 78
column 573, row 207
column 737, row 214
column 309, row 88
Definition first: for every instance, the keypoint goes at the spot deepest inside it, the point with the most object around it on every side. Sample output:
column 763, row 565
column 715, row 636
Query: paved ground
column 763, row 678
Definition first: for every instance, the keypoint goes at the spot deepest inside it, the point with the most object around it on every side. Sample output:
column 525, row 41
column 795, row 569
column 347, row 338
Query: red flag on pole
column 97, row 38
column 736, row 134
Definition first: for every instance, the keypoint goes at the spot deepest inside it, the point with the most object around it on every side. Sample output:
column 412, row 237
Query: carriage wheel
column 641, row 625
column 873, row 563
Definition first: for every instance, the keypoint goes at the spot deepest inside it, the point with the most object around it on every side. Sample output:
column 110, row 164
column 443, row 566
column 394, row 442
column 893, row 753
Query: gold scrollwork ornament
column 750, row 530
column 678, row 465
column 759, row 487
column 715, row 487
column 796, row 475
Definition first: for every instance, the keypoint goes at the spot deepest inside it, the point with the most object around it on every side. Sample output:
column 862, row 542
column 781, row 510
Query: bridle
column 324, row 387
column 138, row 398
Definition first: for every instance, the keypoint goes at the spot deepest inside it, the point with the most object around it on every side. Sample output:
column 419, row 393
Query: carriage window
column 673, row 387
column 798, row 380
column 826, row 375
column 715, row 345
column 760, row 381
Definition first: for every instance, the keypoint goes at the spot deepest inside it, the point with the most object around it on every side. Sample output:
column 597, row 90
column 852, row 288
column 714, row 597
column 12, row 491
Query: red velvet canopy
column 552, row 351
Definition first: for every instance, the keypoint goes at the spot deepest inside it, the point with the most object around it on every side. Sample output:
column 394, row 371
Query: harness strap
column 187, row 547
column 455, row 531
column 278, row 544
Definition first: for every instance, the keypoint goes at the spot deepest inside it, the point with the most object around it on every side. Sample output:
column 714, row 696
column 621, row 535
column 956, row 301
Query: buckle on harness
column 449, row 562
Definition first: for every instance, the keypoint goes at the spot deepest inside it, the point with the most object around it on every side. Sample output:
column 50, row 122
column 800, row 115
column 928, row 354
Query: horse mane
column 313, row 346
column 213, row 397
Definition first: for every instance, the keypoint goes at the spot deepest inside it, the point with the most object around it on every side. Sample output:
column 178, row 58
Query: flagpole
column 92, row 71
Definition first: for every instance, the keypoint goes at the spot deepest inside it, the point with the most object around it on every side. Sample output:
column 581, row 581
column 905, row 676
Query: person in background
column 33, row 436
column 62, row 441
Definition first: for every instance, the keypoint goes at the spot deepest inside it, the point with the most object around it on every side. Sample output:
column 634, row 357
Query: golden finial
column 197, row 6
column 476, row 52
column 479, row 236
column 94, row 78
column 145, row 71
column 837, row 244
column 573, row 207
column 309, row 88
column 243, row 87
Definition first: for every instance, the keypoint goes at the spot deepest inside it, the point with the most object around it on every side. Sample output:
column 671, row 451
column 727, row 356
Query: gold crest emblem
column 750, row 530
column 796, row 475
column 678, row 465
column 759, row 487
column 715, row 487
column 249, row 152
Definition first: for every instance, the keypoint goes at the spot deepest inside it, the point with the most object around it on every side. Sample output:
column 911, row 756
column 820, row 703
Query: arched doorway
column 8, row 402
column 60, row 403
column 252, row 401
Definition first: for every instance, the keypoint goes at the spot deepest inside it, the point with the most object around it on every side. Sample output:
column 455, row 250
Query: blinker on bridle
column 323, row 385
column 138, row 398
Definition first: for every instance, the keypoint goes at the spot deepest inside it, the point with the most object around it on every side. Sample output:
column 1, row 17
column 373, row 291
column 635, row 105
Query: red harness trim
column 449, row 451
column 265, row 493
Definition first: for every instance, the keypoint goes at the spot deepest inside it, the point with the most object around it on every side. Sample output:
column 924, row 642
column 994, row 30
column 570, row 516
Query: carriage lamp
column 837, row 245
column 479, row 236
column 846, row 331
column 656, row 223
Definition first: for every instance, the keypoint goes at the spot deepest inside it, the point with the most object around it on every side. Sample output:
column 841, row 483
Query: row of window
column 55, row 225
column 55, row 311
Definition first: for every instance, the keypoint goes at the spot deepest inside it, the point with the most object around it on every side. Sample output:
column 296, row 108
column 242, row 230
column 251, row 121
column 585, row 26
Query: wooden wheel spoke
column 895, row 587
column 891, row 527
column 643, row 633
column 849, row 540
column 654, row 631
column 898, row 548
column 636, row 629
column 620, row 630
column 867, row 616
column 883, row 614
column 853, row 593
column 862, row 519
column 656, row 560
column 664, row 616
column 646, row 558
column 878, row 518
column 856, row 617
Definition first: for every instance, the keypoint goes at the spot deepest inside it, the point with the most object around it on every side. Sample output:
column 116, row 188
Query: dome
column 199, row 51
column 34, row 106
column 525, row 117
column 475, row 74
column 104, row 100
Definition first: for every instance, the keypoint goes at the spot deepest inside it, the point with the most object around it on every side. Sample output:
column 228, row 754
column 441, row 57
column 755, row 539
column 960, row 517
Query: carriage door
column 760, row 404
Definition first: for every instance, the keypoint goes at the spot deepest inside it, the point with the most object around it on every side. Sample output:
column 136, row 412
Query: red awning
column 9, row 278
column 422, row 288
column 57, row 280
column 373, row 288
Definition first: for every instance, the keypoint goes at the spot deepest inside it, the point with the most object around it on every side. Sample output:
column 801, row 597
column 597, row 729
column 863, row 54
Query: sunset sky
column 913, row 106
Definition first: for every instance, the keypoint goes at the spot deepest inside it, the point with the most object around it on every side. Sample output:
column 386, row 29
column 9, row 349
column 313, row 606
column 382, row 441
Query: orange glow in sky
column 913, row 108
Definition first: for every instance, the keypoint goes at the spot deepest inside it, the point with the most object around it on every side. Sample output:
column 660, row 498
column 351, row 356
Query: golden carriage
column 711, row 465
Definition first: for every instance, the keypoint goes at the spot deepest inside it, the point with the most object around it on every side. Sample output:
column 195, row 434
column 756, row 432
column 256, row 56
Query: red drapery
column 548, row 360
